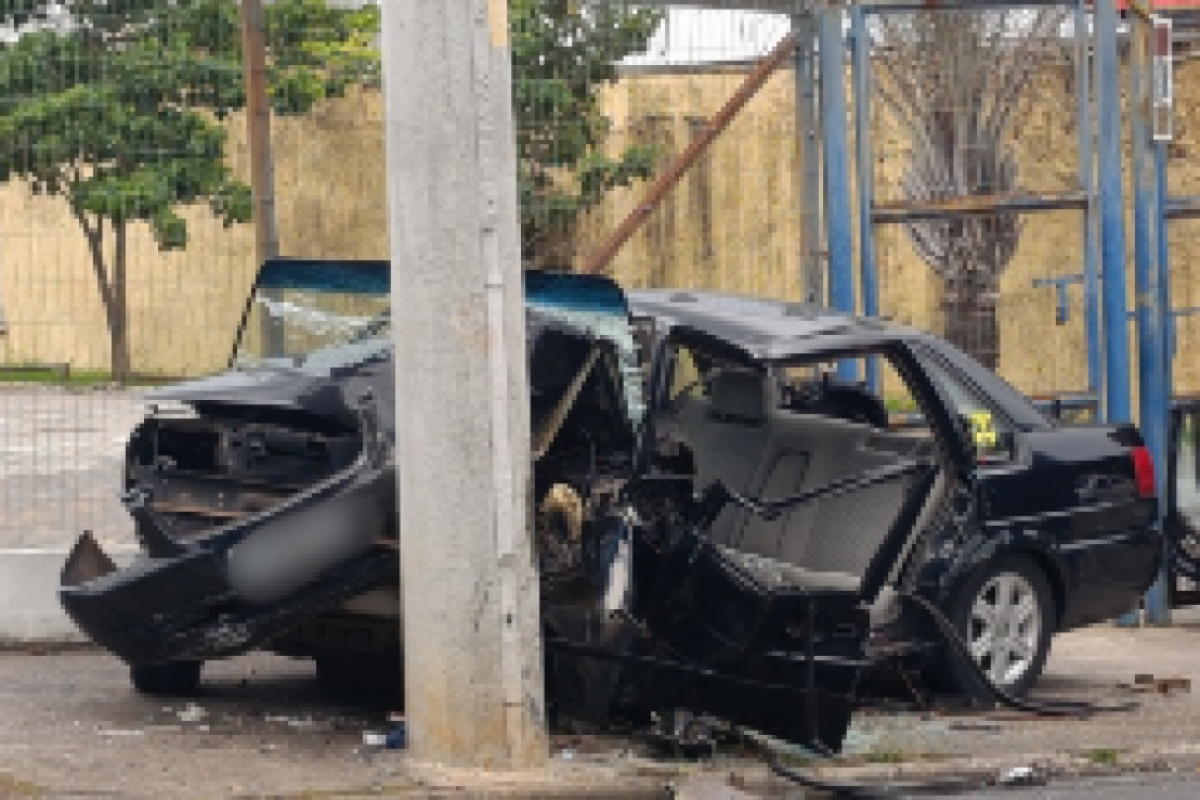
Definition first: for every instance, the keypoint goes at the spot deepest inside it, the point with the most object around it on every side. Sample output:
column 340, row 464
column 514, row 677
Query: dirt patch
column 14, row 787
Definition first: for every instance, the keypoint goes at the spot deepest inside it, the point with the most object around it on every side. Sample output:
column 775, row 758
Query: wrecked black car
column 723, row 524
column 1028, row 527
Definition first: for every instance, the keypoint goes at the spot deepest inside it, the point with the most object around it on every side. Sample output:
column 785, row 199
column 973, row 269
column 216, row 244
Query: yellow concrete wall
column 184, row 305
column 732, row 224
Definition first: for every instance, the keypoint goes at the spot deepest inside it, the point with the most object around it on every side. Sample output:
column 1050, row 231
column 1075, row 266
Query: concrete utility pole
column 473, row 658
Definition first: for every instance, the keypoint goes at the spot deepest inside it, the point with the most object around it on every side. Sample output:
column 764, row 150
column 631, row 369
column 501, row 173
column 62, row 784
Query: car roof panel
column 765, row 329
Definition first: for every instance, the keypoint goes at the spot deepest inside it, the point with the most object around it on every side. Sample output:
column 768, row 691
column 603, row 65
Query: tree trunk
column 118, row 318
column 111, row 287
column 971, row 325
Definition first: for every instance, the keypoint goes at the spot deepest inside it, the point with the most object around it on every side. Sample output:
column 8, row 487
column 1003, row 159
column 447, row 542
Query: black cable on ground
column 1004, row 698
column 837, row 789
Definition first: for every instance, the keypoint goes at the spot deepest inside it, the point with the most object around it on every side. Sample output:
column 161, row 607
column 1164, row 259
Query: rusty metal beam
column 262, row 170
column 907, row 210
column 604, row 255
column 258, row 125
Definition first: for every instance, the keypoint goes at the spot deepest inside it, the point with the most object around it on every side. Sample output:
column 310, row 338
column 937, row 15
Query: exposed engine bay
column 198, row 473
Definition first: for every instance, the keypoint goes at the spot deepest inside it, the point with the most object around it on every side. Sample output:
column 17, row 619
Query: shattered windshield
column 598, row 306
column 315, row 315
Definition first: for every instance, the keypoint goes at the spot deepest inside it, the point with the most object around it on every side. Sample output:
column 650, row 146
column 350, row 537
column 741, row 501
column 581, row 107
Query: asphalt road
column 1134, row 787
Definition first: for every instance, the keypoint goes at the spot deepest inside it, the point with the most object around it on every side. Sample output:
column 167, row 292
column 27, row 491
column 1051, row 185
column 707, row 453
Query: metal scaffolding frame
column 820, row 30
column 1099, row 196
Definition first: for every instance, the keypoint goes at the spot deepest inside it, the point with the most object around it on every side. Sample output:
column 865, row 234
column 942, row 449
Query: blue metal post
column 1158, row 599
column 1087, row 182
column 866, row 174
column 1112, row 222
column 838, row 223
column 1150, row 315
column 1164, row 272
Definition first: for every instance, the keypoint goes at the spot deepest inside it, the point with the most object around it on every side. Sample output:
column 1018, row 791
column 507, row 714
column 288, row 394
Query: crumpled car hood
column 268, row 387
column 333, row 394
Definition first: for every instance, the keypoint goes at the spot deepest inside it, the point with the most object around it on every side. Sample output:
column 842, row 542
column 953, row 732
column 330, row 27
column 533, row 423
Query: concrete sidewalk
column 70, row 723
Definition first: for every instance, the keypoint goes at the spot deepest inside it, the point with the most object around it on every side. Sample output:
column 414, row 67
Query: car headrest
column 738, row 396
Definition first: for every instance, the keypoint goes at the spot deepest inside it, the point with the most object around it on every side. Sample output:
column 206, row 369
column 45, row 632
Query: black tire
column 1026, row 647
column 173, row 679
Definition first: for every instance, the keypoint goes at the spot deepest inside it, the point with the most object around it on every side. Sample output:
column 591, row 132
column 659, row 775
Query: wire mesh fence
column 127, row 245
column 649, row 81
column 1183, row 181
column 141, row 149
column 977, row 109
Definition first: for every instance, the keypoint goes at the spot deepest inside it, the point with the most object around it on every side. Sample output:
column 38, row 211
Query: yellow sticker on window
column 982, row 429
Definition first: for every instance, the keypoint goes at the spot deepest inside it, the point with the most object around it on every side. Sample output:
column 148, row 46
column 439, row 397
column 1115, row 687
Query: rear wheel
column 1005, row 615
column 165, row 680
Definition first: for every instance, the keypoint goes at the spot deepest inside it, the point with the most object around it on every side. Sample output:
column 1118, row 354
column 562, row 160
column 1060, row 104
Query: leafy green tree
column 116, row 106
column 563, row 52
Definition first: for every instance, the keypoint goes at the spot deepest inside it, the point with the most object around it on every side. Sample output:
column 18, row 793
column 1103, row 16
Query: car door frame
column 963, row 543
column 952, row 454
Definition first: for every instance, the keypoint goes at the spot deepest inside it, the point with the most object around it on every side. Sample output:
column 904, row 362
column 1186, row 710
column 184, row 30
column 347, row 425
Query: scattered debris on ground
column 191, row 713
column 1018, row 776
column 1145, row 682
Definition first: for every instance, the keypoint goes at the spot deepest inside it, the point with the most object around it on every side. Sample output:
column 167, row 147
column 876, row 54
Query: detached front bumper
column 136, row 611
column 242, row 585
column 183, row 608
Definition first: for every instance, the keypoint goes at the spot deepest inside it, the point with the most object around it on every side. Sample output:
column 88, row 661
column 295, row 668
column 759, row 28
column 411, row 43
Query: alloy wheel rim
column 1004, row 628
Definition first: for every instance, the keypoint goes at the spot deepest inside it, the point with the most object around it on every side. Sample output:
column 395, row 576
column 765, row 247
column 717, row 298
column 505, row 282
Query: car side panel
column 1074, row 495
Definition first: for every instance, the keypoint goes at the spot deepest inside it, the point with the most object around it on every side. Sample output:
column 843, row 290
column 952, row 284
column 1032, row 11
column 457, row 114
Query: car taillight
column 1143, row 472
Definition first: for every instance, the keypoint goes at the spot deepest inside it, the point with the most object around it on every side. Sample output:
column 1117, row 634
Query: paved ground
column 70, row 723
column 1088, row 665
column 1150, row 787
column 61, row 453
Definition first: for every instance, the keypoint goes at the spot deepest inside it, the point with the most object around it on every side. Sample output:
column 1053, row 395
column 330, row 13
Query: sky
column 691, row 36
column 687, row 36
